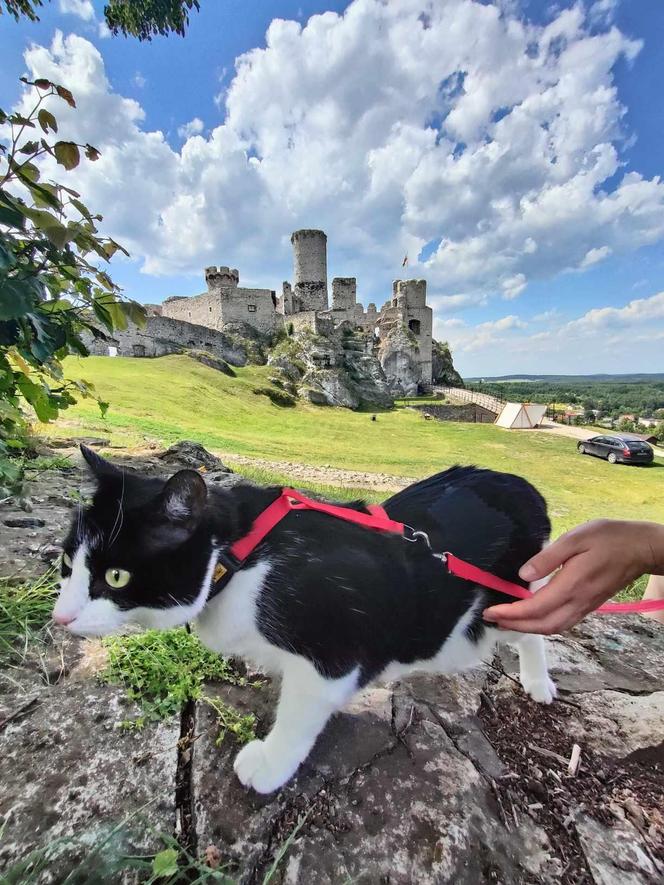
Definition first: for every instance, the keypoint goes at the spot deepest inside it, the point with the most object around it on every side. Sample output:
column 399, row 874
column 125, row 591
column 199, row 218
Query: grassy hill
column 174, row 397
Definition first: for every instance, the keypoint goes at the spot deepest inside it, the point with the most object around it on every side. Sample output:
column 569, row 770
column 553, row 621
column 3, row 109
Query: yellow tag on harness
column 219, row 572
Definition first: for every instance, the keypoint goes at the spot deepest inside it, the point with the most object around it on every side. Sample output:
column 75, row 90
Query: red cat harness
column 378, row 520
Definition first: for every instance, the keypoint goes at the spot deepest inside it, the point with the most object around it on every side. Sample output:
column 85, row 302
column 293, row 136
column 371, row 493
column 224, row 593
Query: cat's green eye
column 66, row 561
column 117, row 578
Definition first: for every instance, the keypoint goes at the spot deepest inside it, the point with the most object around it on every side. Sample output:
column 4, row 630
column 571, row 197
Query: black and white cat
column 326, row 604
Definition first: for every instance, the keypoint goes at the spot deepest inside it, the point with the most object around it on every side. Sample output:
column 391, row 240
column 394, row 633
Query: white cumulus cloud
column 455, row 126
column 81, row 8
column 606, row 339
column 193, row 127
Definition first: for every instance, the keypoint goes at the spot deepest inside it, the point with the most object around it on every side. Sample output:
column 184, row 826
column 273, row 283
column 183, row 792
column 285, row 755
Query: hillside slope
column 173, row 397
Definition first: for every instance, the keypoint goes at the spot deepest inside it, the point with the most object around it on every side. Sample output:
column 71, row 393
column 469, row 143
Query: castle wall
column 344, row 293
column 164, row 335
column 228, row 305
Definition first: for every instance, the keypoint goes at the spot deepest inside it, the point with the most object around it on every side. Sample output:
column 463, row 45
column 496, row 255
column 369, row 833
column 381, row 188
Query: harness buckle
column 413, row 536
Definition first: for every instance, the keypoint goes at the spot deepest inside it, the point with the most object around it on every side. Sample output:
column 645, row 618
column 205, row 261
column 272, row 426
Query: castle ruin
column 401, row 330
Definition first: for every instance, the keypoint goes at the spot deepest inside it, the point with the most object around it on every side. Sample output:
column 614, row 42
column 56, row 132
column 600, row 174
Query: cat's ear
column 184, row 497
column 100, row 467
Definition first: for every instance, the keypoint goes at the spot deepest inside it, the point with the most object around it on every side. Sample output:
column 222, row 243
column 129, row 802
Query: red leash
column 378, row 520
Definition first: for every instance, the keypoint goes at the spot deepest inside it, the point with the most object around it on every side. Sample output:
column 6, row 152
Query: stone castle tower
column 310, row 269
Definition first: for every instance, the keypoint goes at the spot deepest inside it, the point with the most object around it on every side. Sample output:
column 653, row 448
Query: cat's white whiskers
column 120, row 516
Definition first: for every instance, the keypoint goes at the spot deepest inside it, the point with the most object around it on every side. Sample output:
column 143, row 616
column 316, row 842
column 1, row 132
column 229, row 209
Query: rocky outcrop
column 443, row 371
column 192, row 455
column 333, row 370
column 213, row 362
column 329, row 387
column 398, row 357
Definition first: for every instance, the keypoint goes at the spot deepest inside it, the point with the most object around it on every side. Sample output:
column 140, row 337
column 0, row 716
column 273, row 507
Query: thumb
column 550, row 558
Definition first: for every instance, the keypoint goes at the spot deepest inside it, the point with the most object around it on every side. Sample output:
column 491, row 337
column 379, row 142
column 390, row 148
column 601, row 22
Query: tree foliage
column 138, row 18
column 148, row 18
column 52, row 287
column 611, row 397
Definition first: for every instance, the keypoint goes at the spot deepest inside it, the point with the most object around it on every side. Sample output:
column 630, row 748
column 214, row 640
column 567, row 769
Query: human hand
column 598, row 559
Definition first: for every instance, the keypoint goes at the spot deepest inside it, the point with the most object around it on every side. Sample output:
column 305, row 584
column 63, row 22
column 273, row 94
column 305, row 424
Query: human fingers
column 553, row 556
column 558, row 592
column 557, row 621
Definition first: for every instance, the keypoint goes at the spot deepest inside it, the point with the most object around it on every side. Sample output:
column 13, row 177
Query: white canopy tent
column 517, row 416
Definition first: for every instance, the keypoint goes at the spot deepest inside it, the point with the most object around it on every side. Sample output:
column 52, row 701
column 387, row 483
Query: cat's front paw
column 543, row 690
column 255, row 768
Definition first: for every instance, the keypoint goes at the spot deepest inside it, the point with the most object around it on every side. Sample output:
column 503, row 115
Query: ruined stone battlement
column 218, row 277
column 409, row 293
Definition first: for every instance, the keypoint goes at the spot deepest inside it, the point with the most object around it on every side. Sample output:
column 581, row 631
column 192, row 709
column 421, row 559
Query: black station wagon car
column 618, row 448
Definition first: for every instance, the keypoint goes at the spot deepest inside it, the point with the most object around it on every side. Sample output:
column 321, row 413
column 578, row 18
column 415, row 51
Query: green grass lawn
column 173, row 397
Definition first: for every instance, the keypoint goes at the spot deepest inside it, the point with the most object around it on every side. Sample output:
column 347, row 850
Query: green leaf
column 45, row 196
column 111, row 247
column 85, row 212
column 56, row 232
column 7, row 258
column 118, row 316
column 30, row 147
column 47, row 121
column 20, row 120
column 105, row 280
column 66, row 95
column 102, row 314
column 67, row 154
column 17, row 297
column 91, row 152
column 136, row 313
column 27, row 172
column 11, row 217
column 165, row 863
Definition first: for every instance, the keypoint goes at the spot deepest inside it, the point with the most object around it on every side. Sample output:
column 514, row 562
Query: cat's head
column 141, row 553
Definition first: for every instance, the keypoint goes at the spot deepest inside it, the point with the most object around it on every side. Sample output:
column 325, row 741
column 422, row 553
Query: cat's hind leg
column 306, row 702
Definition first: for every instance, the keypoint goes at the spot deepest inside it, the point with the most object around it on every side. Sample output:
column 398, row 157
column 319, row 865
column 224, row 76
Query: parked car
column 618, row 448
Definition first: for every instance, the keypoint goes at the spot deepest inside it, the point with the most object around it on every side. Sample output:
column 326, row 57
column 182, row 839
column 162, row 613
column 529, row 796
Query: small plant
column 230, row 720
column 163, row 669
column 25, row 610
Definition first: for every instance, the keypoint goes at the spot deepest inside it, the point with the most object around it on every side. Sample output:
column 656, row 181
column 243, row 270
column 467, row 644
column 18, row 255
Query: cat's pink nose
column 64, row 619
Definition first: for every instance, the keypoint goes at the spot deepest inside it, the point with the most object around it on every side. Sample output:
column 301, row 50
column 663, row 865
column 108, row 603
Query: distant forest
column 613, row 397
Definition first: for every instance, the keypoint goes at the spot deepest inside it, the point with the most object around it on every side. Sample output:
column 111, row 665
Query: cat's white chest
column 227, row 625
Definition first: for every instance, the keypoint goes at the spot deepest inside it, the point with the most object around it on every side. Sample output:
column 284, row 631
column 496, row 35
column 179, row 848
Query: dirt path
column 325, row 474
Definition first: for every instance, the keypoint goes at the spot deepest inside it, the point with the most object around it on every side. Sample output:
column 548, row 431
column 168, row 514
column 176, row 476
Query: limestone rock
column 69, row 773
column 369, row 381
column 193, row 455
column 286, row 366
column 213, row 362
column 398, row 350
column 443, row 371
column 329, row 387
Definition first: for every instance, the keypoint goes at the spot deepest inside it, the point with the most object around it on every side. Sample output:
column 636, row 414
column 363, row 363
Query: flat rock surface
column 71, row 776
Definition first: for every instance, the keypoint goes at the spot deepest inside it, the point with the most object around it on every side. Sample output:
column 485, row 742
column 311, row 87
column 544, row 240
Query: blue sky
column 515, row 148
